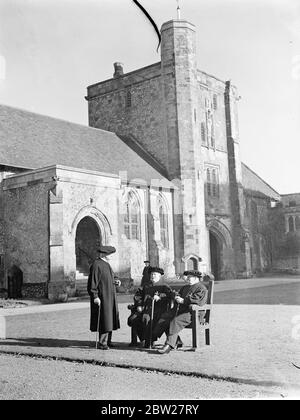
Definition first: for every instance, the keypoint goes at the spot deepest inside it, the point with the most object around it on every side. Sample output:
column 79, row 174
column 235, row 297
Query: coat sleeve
column 198, row 297
column 166, row 293
column 139, row 297
column 94, row 283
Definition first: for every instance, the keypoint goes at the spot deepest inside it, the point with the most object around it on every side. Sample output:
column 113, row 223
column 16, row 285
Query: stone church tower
column 184, row 122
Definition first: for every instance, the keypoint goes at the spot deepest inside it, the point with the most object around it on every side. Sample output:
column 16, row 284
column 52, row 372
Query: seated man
column 173, row 321
column 153, row 291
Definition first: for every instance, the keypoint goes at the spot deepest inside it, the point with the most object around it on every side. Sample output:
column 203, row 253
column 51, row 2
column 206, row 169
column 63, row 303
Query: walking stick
column 151, row 322
column 98, row 326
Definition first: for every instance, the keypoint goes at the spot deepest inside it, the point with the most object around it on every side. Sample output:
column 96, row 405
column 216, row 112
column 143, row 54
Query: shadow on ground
column 65, row 343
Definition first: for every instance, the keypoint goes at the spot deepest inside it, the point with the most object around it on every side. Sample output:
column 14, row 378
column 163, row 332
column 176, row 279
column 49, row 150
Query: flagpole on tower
column 178, row 10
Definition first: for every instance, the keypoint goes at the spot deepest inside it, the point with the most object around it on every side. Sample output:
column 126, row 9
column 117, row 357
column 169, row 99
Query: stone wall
column 102, row 198
column 170, row 104
column 4, row 173
column 257, row 212
column 142, row 116
column 26, row 231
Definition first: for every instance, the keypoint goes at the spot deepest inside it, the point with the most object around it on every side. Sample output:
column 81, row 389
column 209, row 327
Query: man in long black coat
column 146, row 273
column 154, row 291
column 101, row 288
column 173, row 321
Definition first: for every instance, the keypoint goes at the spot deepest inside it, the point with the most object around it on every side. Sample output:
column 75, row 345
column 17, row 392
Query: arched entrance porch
column 90, row 229
column 221, row 252
column 87, row 240
column 215, row 255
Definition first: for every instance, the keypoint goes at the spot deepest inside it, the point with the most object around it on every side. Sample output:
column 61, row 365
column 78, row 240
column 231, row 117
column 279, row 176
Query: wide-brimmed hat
column 156, row 270
column 193, row 273
column 106, row 249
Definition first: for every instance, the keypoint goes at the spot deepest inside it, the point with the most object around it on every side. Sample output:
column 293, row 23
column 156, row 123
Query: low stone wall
column 288, row 265
column 34, row 290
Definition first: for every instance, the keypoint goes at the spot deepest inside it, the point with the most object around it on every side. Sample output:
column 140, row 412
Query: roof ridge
column 138, row 148
column 26, row 111
column 251, row 170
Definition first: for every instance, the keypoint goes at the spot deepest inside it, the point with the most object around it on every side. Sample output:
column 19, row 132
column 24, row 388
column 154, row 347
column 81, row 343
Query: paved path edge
column 243, row 381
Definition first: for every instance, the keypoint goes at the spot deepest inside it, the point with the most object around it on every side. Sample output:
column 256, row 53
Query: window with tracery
column 291, row 224
column 163, row 223
column 212, row 181
column 132, row 225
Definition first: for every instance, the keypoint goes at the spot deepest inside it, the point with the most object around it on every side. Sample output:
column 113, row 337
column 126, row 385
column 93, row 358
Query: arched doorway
column 215, row 255
column 15, row 282
column 192, row 264
column 87, row 241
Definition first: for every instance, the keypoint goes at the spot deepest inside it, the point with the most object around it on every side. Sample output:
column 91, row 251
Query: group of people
column 157, row 309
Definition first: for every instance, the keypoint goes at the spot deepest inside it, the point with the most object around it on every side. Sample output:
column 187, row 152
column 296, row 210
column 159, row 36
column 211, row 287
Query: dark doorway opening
column 15, row 282
column 215, row 255
column 87, row 241
column 192, row 264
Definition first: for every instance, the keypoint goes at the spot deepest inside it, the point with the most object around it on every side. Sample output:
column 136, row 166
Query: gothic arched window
column 203, row 133
column 297, row 223
column 291, row 224
column 215, row 183
column 212, row 135
column 132, row 224
column 163, row 222
column 208, row 181
column 212, row 182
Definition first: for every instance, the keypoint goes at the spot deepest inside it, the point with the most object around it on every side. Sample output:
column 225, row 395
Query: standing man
column 146, row 273
column 101, row 288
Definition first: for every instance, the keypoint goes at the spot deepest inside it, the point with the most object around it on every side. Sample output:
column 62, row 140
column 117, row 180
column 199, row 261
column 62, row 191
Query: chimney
column 118, row 70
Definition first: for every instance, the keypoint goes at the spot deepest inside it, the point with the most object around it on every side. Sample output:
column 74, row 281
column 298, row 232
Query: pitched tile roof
column 256, row 185
column 31, row 141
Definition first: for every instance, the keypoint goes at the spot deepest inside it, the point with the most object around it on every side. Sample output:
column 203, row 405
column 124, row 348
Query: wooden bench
column 197, row 326
column 202, row 322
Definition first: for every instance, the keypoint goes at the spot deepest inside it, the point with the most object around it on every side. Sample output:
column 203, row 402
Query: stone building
column 157, row 174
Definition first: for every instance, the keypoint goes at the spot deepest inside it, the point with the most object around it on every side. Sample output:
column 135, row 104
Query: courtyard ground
column 32, row 378
column 254, row 344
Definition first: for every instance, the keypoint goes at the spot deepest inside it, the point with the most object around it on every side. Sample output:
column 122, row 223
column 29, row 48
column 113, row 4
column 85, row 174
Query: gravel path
column 249, row 343
column 37, row 379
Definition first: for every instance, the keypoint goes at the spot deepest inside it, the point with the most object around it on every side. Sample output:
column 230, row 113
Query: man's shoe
column 103, row 347
column 165, row 350
column 179, row 343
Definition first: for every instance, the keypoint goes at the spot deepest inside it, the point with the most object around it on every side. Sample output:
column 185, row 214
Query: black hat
column 147, row 261
column 106, row 249
column 156, row 270
column 194, row 273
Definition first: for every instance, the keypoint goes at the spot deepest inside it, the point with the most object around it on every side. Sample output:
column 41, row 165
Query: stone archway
column 221, row 252
column 89, row 229
column 87, row 241
column 215, row 255
column 191, row 262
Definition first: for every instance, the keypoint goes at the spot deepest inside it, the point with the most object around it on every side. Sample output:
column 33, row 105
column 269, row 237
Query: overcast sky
column 51, row 50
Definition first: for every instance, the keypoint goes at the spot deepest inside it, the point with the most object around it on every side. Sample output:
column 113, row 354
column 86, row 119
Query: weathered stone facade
column 284, row 227
column 187, row 120
column 172, row 107
column 168, row 187
column 42, row 212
